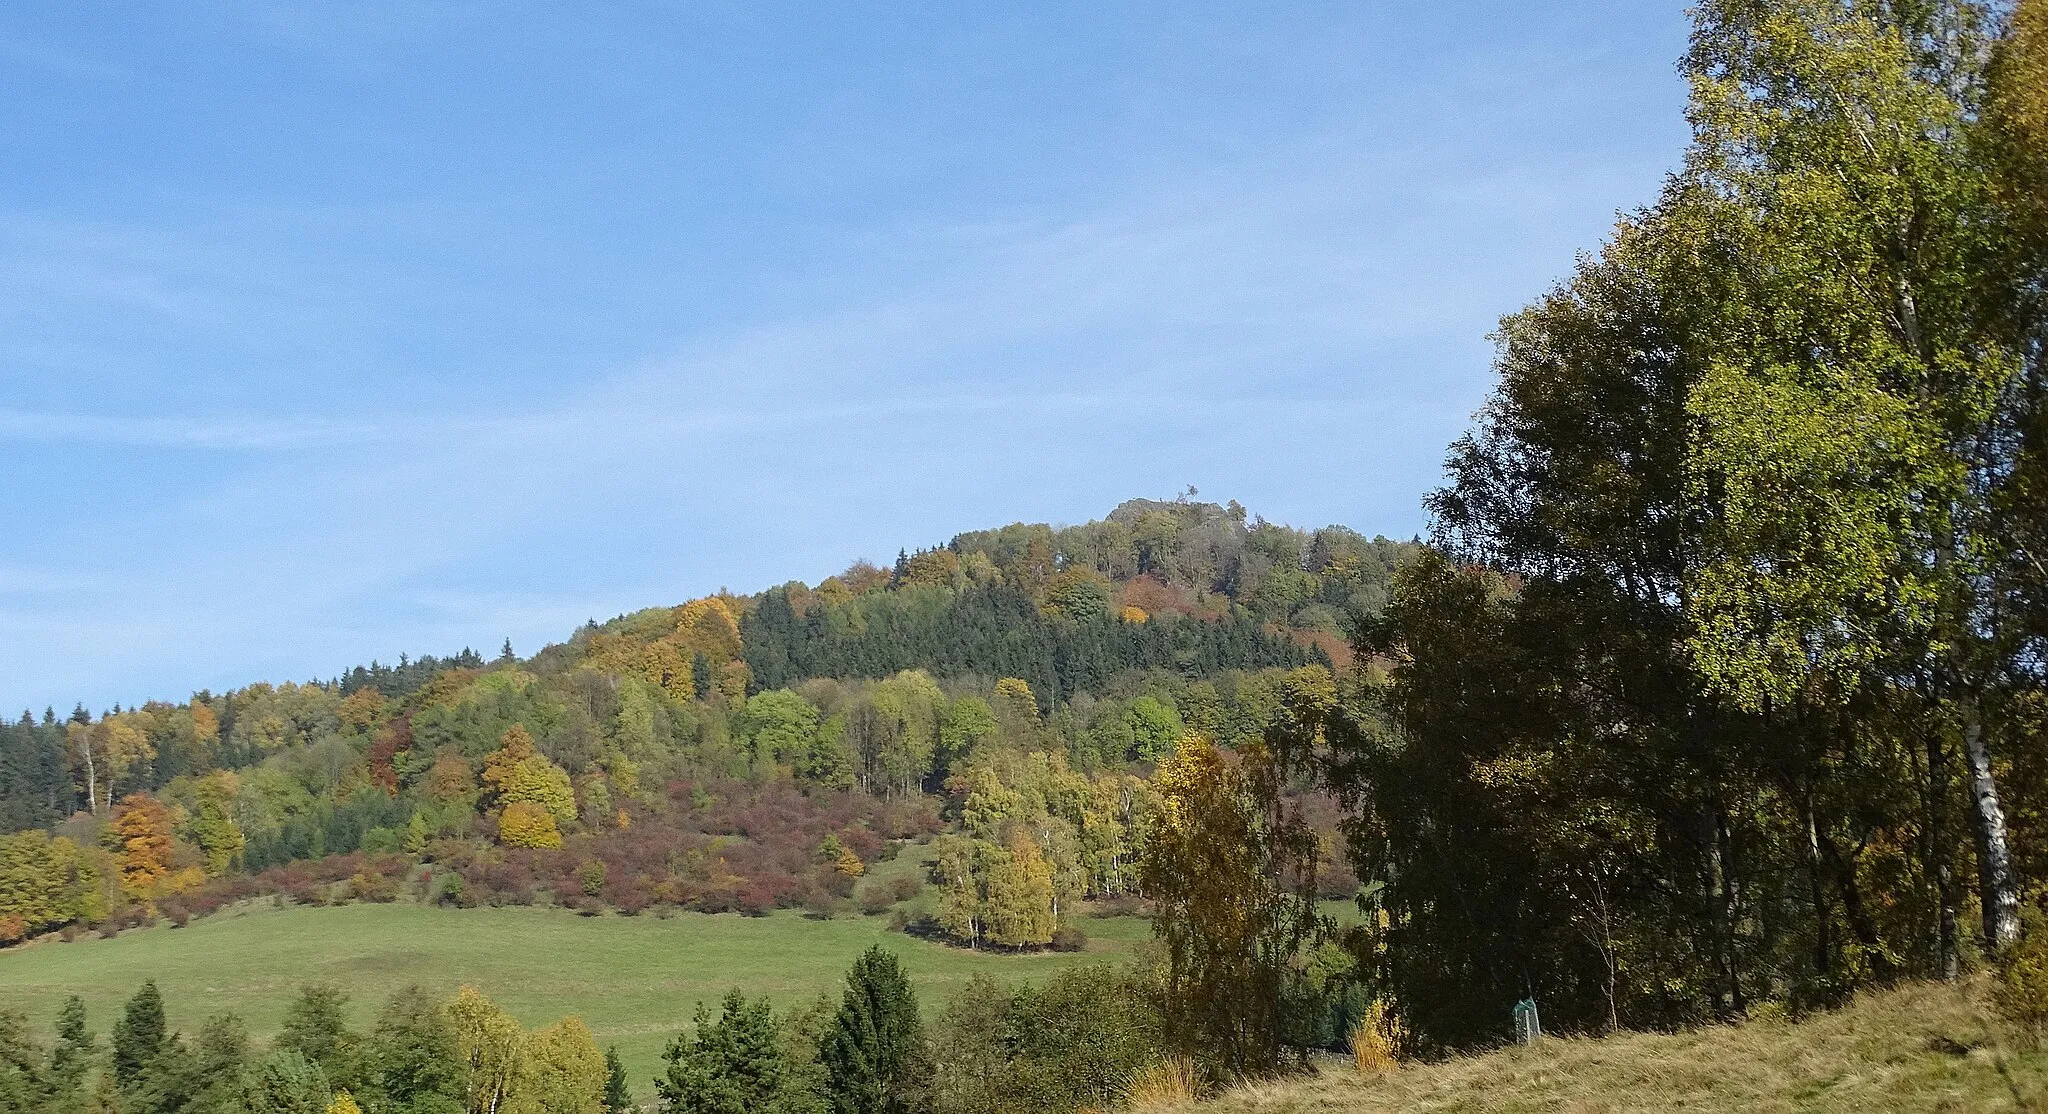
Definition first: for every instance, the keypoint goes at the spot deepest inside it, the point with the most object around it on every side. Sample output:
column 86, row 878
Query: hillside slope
column 1926, row 1047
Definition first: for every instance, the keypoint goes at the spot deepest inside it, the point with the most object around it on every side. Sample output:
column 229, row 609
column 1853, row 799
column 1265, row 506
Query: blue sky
column 333, row 331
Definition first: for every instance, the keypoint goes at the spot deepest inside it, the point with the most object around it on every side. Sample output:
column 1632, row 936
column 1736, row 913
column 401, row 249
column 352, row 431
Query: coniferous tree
column 25, row 1085
column 731, row 1065
column 413, row 1064
column 140, row 1034
column 72, row 1057
column 287, row 1082
column 315, row 1028
column 617, row 1099
column 874, row 1052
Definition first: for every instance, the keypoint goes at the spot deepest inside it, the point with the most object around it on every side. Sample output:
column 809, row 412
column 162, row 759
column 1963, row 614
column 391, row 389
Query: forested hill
column 868, row 695
column 1194, row 588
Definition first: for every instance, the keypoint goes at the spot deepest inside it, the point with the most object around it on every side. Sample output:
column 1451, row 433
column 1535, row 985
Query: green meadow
column 633, row 980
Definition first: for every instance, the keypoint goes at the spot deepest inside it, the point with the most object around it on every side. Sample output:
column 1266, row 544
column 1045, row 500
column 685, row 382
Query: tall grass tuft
column 1376, row 1040
column 1172, row 1082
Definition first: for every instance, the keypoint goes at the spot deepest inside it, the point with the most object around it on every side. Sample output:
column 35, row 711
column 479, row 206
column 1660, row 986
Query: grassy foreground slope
column 1922, row 1048
column 634, row 980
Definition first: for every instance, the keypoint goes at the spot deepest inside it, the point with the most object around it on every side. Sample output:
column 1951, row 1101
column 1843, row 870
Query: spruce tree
column 874, row 1052
column 733, row 1065
column 700, row 676
column 413, row 1062
column 24, row 1086
column 315, row 1028
column 139, row 1036
column 617, row 1100
column 73, row 1054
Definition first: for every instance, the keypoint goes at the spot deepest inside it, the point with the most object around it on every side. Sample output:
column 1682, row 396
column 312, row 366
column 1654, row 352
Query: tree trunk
column 1998, row 890
column 1860, row 925
column 1940, row 864
column 1728, row 999
column 1823, row 917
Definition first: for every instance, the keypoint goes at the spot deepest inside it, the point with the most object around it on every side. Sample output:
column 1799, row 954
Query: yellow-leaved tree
column 526, row 824
column 1226, row 870
column 518, row 774
column 491, row 1047
column 562, row 1072
column 1020, row 896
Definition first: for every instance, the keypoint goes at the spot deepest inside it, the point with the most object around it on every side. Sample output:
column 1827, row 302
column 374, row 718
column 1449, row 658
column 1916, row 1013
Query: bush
column 1067, row 938
column 1121, row 905
column 2020, row 994
column 874, row 900
column 1376, row 1040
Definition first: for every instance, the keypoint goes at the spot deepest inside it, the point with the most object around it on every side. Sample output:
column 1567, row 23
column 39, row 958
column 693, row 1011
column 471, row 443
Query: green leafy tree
column 780, row 726
column 561, row 1072
column 969, row 722
column 491, row 1047
column 1020, row 896
column 1070, row 1044
column 827, row 763
column 1848, row 433
column 1155, row 727
column 874, row 1051
column 213, row 824
column 287, row 1082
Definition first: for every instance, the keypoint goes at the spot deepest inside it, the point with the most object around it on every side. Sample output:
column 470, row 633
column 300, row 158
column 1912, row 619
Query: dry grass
column 1164, row 1085
column 1921, row 1048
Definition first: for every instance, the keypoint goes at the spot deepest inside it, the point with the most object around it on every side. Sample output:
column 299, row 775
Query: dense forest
column 1718, row 690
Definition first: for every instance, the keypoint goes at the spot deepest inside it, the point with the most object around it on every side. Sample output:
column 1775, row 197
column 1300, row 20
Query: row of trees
column 1000, row 630
column 1072, row 1043
column 422, row 1057
column 1724, row 684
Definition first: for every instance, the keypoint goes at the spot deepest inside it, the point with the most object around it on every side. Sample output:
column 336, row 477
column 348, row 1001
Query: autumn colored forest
column 1715, row 698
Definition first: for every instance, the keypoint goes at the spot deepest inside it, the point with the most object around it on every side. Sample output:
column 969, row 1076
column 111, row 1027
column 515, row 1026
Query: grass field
column 634, row 980
column 1922, row 1048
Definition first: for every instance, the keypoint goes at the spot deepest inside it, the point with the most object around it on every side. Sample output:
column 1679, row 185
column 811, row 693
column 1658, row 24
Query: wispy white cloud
column 1237, row 328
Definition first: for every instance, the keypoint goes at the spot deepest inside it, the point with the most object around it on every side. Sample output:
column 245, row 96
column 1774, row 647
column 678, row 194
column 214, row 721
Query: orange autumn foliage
column 514, row 746
column 140, row 837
